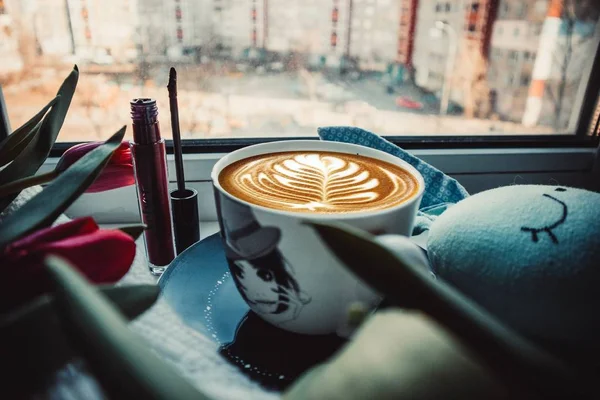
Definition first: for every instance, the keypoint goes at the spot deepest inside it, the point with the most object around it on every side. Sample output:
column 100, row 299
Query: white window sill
column 476, row 169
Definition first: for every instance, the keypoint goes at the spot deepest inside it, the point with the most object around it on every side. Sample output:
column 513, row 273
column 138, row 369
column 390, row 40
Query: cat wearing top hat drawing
column 264, row 278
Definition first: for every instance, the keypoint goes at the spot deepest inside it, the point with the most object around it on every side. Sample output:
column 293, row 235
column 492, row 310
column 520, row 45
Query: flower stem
column 20, row 184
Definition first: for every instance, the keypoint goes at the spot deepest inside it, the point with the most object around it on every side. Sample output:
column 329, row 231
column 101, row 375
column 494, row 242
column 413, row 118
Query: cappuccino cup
column 266, row 193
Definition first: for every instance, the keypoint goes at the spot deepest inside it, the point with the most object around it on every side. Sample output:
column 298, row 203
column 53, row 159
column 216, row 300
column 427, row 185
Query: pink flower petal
column 103, row 256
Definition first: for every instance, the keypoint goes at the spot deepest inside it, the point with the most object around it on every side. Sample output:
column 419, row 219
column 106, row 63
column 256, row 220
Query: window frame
column 580, row 138
column 222, row 146
column 479, row 162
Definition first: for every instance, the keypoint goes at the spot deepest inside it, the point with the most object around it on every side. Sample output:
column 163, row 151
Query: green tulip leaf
column 130, row 300
column 515, row 360
column 21, row 329
column 135, row 231
column 31, row 158
column 12, row 146
column 124, row 366
column 43, row 209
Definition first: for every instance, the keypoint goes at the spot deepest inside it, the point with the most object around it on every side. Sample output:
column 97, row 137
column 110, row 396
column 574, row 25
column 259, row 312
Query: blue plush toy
column 530, row 254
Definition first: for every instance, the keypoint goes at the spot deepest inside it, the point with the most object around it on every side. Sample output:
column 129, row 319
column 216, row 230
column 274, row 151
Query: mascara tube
column 150, row 166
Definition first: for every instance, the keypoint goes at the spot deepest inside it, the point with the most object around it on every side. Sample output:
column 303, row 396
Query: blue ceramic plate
column 200, row 289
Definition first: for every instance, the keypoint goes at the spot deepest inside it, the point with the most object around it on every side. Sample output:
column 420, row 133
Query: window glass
column 277, row 68
column 540, row 7
column 520, row 10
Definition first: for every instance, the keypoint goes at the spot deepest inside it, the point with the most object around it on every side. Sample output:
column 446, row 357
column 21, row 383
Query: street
column 229, row 104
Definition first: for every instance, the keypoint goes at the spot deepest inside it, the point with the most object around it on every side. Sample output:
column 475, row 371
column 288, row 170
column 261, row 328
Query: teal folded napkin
column 441, row 191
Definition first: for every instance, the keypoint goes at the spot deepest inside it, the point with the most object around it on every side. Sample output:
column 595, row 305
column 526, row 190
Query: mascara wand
column 184, row 202
column 174, row 108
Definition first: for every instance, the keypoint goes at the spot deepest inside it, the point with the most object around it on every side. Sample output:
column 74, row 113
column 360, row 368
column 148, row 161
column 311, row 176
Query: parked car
column 406, row 102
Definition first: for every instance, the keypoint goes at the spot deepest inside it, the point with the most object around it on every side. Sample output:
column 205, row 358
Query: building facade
column 238, row 25
column 103, row 32
column 81, row 30
column 12, row 60
column 304, row 26
column 316, row 29
column 515, row 41
column 456, row 58
column 538, row 54
column 374, row 32
column 173, row 30
column 403, row 66
column 431, row 50
column 51, row 27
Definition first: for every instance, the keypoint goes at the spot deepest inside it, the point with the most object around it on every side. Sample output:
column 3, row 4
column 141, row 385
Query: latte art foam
column 319, row 182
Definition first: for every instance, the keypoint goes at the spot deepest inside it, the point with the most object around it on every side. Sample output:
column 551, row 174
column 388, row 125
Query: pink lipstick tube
column 149, row 161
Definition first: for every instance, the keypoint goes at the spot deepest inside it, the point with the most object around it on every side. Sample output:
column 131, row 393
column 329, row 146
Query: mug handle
column 412, row 250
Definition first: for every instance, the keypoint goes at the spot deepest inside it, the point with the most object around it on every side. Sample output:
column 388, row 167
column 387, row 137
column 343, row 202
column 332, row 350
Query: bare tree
column 469, row 77
column 27, row 44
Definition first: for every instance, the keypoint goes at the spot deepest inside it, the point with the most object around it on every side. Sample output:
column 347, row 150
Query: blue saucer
column 199, row 287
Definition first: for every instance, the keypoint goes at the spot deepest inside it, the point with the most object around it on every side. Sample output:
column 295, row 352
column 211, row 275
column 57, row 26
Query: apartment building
column 238, row 25
column 514, row 46
column 456, row 57
column 309, row 27
column 317, row 29
column 431, row 51
column 304, row 26
column 102, row 31
column 174, row 29
column 374, row 32
column 32, row 27
column 9, row 46
column 87, row 30
column 526, row 31
column 402, row 68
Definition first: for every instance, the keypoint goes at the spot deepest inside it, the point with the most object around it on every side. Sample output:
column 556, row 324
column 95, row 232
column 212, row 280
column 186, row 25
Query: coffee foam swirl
column 321, row 182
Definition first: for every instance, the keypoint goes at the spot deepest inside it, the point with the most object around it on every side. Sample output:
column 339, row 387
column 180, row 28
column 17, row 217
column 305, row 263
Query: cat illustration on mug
column 264, row 278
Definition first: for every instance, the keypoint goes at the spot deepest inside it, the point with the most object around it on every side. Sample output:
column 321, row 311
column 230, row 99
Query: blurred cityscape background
column 251, row 68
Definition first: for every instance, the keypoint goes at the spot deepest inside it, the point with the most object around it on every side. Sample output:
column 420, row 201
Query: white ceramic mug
column 281, row 267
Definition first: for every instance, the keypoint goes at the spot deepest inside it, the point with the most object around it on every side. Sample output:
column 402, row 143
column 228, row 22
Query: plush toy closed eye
column 529, row 254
